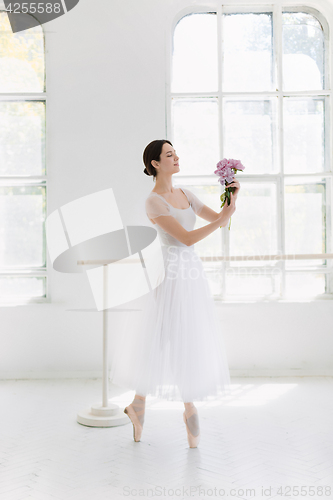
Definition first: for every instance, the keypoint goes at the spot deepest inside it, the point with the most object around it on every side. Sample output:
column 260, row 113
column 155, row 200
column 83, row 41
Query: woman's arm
column 207, row 213
column 175, row 229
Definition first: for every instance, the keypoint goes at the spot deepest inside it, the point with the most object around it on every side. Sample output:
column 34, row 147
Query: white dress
column 176, row 349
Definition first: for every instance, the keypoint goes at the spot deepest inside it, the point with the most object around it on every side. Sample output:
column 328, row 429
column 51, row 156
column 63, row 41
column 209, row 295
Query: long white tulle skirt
column 173, row 348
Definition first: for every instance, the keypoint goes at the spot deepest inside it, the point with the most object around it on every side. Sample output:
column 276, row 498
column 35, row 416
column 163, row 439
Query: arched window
column 252, row 83
column 22, row 164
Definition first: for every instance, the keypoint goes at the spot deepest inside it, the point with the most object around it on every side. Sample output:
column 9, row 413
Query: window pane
column 299, row 285
column 22, row 138
column 21, row 58
column 303, row 123
column 249, row 134
column 22, row 215
column 254, row 224
column 195, row 134
column 256, row 283
column 305, row 215
column 248, row 52
column 303, row 52
column 194, row 67
column 12, row 287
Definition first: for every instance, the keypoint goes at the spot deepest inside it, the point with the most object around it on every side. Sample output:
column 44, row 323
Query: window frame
column 29, row 181
column 279, row 177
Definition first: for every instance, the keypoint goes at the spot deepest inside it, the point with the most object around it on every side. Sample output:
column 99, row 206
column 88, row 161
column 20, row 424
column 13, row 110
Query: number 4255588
column 32, row 8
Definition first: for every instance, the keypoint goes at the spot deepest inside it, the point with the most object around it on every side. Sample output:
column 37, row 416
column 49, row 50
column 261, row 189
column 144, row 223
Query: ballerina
column 179, row 353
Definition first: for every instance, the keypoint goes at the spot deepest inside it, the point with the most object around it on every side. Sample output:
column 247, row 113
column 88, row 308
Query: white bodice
column 157, row 206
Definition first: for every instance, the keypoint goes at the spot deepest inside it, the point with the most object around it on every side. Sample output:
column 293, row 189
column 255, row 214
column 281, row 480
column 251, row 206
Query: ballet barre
column 305, row 256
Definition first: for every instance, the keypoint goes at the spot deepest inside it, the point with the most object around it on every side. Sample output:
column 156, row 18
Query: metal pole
column 105, row 338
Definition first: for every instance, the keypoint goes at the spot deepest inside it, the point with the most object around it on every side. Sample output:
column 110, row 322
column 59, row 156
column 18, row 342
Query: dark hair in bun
column 153, row 152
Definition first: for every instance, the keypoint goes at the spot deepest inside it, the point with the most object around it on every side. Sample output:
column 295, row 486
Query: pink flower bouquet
column 226, row 170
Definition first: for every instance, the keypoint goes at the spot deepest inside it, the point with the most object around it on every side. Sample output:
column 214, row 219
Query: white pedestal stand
column 103, row 414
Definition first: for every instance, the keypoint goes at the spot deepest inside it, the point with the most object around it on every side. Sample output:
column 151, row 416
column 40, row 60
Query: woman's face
column 169, row 161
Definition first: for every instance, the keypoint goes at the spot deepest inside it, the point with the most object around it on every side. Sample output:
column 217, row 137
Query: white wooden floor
column 270, row 433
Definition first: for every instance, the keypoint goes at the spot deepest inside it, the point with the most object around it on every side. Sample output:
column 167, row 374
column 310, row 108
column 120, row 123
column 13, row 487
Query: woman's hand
column 228, row 210
column 235, row 183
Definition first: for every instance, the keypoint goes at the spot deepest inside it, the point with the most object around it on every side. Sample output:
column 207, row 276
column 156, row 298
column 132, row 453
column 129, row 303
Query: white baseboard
column 27, row 375
column 281, row 373
column 30, row 375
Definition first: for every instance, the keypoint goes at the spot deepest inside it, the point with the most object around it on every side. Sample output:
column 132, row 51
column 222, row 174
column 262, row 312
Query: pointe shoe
column 133, row 415
column 193, row 441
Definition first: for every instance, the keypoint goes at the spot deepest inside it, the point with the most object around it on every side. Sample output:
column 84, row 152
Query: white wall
column 105, row 102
